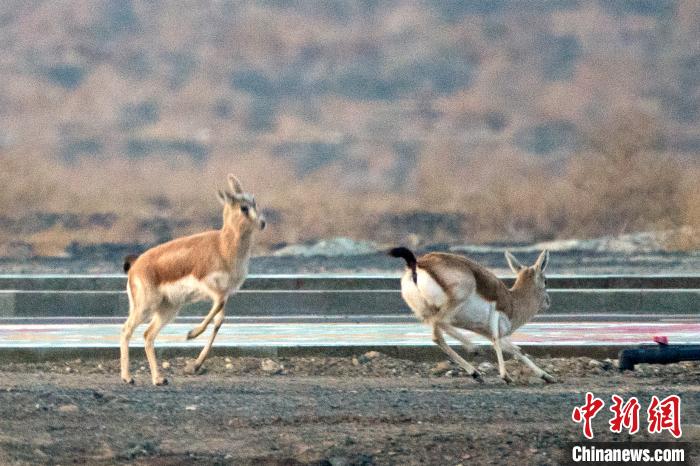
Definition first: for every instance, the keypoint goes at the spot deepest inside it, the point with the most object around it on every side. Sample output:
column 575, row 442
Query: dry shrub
column 614, row 198
column 624, row 183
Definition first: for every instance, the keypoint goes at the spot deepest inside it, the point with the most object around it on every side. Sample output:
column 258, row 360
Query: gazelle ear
column 514, row 264
column 222, row 196
column 542, row 261
column 235, row 184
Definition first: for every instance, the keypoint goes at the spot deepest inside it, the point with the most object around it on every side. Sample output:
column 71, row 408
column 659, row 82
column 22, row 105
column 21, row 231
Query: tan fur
column 474, row 299
column 207, row 265
column 459, row 276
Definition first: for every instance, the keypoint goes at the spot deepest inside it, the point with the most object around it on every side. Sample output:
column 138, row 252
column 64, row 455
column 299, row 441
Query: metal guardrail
column 349, row 298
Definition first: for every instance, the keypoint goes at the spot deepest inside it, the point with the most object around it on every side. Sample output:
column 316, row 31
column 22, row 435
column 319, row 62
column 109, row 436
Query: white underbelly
column 189, row 289
column 474, row 314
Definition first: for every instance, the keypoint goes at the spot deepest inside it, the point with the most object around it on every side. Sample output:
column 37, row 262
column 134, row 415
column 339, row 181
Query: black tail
column 128, row 260
column 409, row 257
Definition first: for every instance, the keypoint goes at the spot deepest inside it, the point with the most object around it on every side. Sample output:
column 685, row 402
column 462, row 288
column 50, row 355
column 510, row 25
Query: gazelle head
column 240, row 210
column 531, row 279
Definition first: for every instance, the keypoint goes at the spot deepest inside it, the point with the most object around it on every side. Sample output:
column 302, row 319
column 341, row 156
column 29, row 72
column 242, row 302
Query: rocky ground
column 363, row 410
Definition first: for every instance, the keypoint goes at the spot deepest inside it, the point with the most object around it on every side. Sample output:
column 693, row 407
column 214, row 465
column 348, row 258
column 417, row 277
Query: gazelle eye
column 245, row 209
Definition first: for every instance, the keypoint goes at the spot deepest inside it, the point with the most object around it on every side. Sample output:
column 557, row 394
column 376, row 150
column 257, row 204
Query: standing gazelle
column 451, row 293
column 207, row 265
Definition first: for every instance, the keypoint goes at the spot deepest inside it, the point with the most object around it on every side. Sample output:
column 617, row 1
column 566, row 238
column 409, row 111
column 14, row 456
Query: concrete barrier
column 323, row 297
column 344, row 282
column 35, row 307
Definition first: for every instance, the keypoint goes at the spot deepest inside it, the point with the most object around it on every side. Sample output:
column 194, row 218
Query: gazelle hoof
column 476, row 375
column 192, row 334
column 162, row 381
column 129, row 380
column 191, row 368
column 506, row 378
column 548, row 378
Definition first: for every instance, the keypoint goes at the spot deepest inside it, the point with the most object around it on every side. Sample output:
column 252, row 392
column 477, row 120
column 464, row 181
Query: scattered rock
column 441, row 368
column 191, row 408
column 368, row 356
column 227, row 359
column 165, row 365
column 270, row 366
column 139, row 449
column 594, row 363
column 485, row 367
column 339, row 461
column 229, row 366
column 68, row 408
column 535, row 380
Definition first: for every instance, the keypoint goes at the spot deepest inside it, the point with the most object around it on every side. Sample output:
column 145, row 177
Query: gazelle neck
column 525, row 303
column 236, row 244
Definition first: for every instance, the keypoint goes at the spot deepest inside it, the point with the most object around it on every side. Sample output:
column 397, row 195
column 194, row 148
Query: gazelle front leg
column 510, row 347
column 193, row 366
column 440, row 341
column 216, row 307
column 494, row 326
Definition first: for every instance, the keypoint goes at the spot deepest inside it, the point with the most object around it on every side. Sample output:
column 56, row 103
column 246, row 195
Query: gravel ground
column 365, row 410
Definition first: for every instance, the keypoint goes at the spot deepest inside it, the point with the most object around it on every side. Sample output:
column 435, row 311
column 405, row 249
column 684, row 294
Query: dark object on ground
column 658, row 354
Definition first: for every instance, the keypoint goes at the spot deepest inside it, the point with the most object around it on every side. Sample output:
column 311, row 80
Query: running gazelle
column 208, row 265
column 452, row 293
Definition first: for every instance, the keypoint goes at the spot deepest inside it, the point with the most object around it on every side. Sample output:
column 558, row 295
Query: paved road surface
column 341, row 334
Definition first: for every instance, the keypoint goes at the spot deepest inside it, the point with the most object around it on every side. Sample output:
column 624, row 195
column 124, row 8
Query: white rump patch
column 425, row 297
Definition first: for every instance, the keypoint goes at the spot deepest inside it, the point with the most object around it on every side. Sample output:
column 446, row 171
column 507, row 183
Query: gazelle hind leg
column 136, row 317
column 194, row 366
column 494, row 318
column 160, row 318
column 127, row 332
column 510, row 347
column 457, row 334
column 440, row 341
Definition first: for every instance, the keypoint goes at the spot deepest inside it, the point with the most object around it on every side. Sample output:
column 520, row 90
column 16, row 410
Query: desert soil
column 367, row 410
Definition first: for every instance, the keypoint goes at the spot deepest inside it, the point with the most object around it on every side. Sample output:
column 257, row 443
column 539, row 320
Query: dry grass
column 502, row 197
